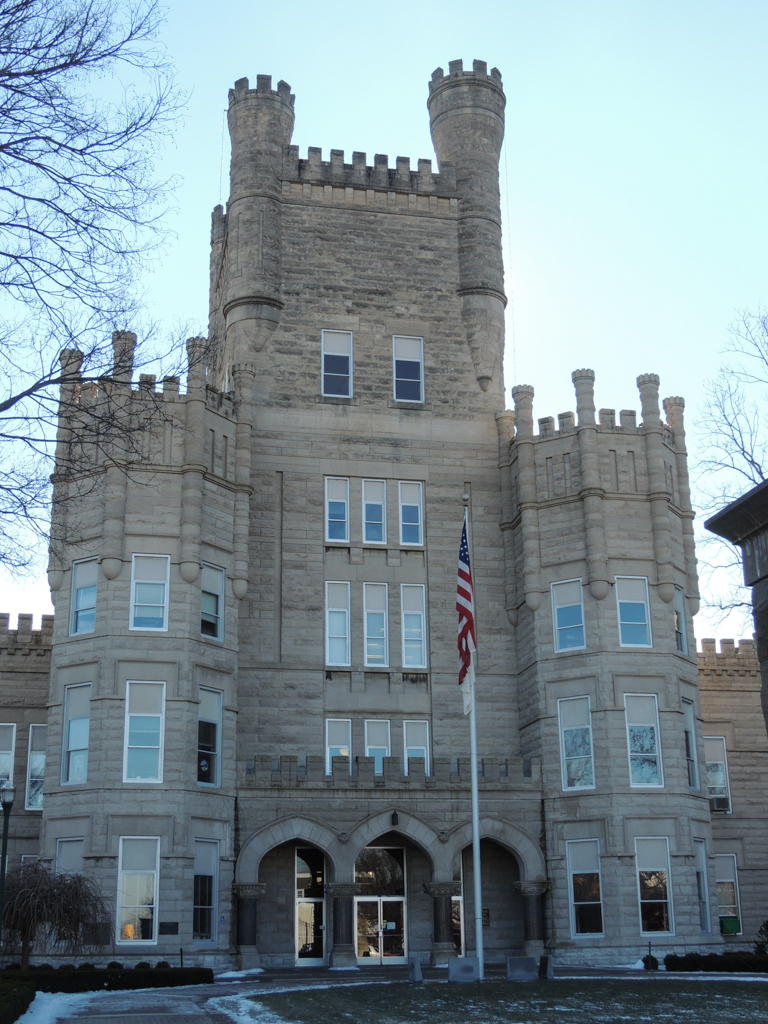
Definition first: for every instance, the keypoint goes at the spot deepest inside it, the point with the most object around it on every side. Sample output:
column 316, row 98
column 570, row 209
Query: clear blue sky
column 633, row 173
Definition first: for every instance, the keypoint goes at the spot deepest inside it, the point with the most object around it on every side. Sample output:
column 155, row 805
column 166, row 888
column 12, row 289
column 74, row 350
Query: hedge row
column 722, row 962
column 14, row 1000
column 110, row 980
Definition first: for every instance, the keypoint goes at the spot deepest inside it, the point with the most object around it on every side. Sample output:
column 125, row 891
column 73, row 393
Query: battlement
column 479, row 73
column 263, row 89
column 730, row 657
column 24, row 639
column 360, row 174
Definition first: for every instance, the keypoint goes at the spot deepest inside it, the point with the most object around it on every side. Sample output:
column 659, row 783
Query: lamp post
column 7, row 793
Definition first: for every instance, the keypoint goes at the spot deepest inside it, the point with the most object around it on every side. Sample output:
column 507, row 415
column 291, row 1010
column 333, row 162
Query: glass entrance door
column 310, row 907
column 381, row 930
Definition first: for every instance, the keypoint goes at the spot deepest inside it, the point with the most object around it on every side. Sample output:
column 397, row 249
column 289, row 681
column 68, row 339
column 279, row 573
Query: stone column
column 343, row 953
column 533, row 894
column 442, row 935
column 246, row 897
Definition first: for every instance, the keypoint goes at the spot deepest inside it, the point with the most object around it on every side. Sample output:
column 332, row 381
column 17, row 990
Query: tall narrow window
column 337, row 741
column 583, row 856
column 377, row 743
column 144, row 720
column 717, row 773
column 416, row 741
column 77, row 720
column 376, row 633
column 337, row 363
column 652, row 856
column 374, row 512
column 643, row 740
column 414, row 634
column 36, row 767
column 576, row 743
column 337, row 624
column 137, row 903
column 149, row 603
column 7, row 746
column 568, row 615
column 208, row 734
column 205, row 879
column 212, row 602
column 726, row 877
column 82, row 617
column 336, row 509
column 678, row 618
column 410, row 515
column 689, row 735
column 634, row 617
column 409, row 369
column 702, row 891
column 69, row 856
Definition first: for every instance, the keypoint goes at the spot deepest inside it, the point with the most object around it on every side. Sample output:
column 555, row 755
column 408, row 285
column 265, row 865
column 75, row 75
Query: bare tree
column 57, row 912
column 734, row 455
column 80, row 221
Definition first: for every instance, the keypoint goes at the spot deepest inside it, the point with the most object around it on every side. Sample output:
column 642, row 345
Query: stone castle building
column 255, row 738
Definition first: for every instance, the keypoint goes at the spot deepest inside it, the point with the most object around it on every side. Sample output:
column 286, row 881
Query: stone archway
column 284, row 831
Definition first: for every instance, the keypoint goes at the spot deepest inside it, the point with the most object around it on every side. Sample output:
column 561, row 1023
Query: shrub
column 162, row 965
column 15, row 999
column 113, row 965
column 110, row 980
column 650, row 962
column 142, row 965
column 750, row 963
column 65, row 967
column 761, row 945
column 13, row 967
column 86, row 967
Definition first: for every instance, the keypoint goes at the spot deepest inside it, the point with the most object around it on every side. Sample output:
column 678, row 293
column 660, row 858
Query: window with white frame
column 205, row 890
column 416, row 742
column 137, row 889
column 728, row 905
column 634, row 611
column 337, row 363
column 374, row 512
column 578, row 767
column 149, row 586
column 702, row 890
column 377, row 743
column 652, row 858
column 376, row 632
column 212, row 601
column 336, row 509
column 144, row 732
column 643, row 743
column 408, row 356
column 209, row 737
column 412, row 597
column 337, row 624
column 411, row 519
column 7, row 747
column 583, row 857
column 36, row 767
column 718, row 786
column 689, row 736
column 337, row 741
column 82, row 617
column 568, row 615
column 678, row 617
column 77, row 720
column 69, row 856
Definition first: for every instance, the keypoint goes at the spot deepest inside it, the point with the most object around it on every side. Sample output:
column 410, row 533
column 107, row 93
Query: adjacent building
column 255, row 737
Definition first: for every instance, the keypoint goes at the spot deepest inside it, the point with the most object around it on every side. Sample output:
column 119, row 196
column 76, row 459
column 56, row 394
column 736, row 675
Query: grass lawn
column 604, row 1002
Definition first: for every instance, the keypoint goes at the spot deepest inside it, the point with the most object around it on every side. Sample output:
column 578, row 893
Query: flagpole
column 476, row 869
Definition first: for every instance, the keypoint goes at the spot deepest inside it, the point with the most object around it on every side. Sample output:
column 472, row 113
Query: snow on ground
column 236, row 975
column 48, row 1007
column 242, row 1010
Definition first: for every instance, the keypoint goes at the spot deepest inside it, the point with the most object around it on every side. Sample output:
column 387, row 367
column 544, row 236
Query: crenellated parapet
column 733, row 659
column 25, row 641
column 359, row 174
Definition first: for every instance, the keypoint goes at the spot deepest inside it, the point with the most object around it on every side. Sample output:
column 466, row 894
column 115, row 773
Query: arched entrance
column 292, row 910
column 503, row 909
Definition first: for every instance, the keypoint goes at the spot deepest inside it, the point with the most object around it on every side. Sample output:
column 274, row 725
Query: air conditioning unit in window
column 719, row 803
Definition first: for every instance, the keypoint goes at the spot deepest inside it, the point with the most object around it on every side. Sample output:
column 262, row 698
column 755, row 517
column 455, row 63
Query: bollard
column 464, row 968
column 522, row 968
column 414, row 969
column 547, row 967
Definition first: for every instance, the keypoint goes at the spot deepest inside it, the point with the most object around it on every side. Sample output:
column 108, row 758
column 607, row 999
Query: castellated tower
column 255, row 734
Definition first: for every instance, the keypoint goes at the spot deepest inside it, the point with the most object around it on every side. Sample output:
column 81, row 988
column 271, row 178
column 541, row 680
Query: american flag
column 466, row 608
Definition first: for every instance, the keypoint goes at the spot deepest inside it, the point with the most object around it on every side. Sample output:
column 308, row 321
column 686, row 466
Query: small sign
column 221, row 922
column 486, row 917
column 169, row 927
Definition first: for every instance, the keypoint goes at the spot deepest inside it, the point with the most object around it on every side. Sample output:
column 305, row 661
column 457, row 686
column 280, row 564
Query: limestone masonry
column 255, row 738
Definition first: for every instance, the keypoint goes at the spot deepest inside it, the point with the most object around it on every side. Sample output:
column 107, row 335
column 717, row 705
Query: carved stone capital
column 337, row 889
column 533, row 888
column 442, row 888
column 343, row 837
column 444, row 836
column 249, row 890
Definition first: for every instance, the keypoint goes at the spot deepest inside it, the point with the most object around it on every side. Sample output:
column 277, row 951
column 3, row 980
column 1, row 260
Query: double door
column 380, row 930
column 310, row 932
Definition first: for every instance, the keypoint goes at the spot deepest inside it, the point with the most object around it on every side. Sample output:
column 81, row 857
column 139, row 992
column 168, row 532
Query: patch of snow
column 234, row 975
column 242, row 1010
column 638, row 965
column 343, row 968
column 48, row 1007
